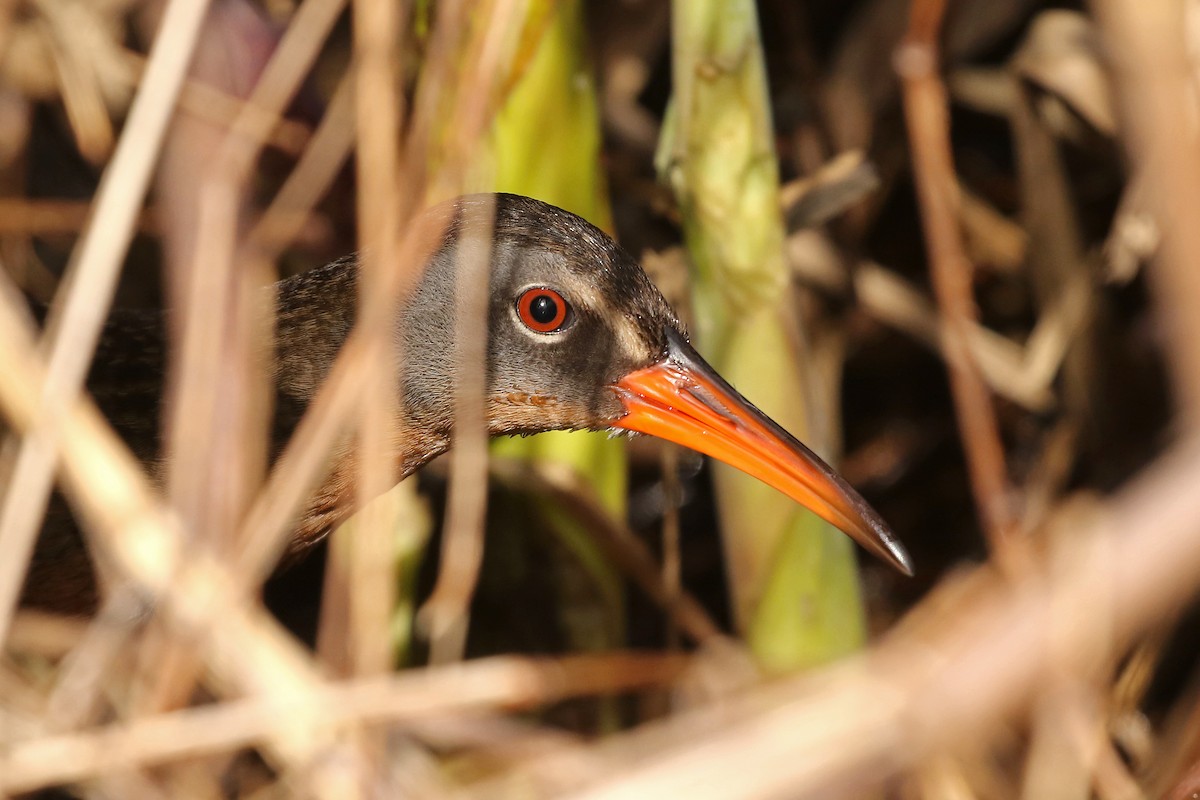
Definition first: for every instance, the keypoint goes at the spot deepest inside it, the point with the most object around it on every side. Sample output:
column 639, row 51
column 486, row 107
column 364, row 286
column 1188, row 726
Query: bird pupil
column 543, row 309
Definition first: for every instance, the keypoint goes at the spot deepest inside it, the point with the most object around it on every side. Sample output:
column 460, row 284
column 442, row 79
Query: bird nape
column 577, row 337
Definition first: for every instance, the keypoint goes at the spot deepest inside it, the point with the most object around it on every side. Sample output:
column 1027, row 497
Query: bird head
column 579, row 337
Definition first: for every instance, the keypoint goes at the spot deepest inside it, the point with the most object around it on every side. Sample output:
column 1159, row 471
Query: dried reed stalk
column 925, row 104
column 1156, row 82
column 75, row 327
column 982, row 649
column 974, row 654
column 405, row 699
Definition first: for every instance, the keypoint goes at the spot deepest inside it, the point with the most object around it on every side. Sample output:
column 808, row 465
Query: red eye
column 543, row 310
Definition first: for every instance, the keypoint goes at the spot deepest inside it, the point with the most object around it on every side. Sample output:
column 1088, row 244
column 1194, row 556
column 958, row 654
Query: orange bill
column 683, row 400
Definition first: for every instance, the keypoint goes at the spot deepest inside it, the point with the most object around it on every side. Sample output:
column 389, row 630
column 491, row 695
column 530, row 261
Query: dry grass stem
column 359, row 577
column 510, row 683
column 283, row 220
column 1023, row 375
column 1156, row 87
column 620, row 544
column 49, row 217
column 849, row 727
column 216, row 414
column 489, row 60
column 446, row 613
column 74, row 329
column 929, row 128
column 241, row 644
column 283, row 134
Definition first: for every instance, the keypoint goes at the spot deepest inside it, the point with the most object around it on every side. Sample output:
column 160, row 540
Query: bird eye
column 543, row 310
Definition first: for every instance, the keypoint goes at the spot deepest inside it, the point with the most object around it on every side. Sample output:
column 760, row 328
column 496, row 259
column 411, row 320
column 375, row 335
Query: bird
column 578, row 337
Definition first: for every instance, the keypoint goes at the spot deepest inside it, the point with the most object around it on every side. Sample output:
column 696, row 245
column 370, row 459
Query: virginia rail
column 578, row 337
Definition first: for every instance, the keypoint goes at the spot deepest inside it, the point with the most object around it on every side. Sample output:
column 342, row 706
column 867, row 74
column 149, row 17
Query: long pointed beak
column 683, row 400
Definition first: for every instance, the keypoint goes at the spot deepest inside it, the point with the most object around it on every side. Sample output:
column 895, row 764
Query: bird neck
column 315, row 314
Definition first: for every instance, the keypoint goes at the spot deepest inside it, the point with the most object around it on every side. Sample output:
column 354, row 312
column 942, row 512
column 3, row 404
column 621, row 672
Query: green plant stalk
column 546, row 144
column 792, row 577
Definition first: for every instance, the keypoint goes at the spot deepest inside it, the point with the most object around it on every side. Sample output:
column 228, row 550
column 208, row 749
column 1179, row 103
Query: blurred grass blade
column 792, row 577
column 546, row 144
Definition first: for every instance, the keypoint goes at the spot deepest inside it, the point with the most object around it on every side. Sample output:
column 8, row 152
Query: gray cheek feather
column 428, row 334
column 575, row 367
column 426, row 346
